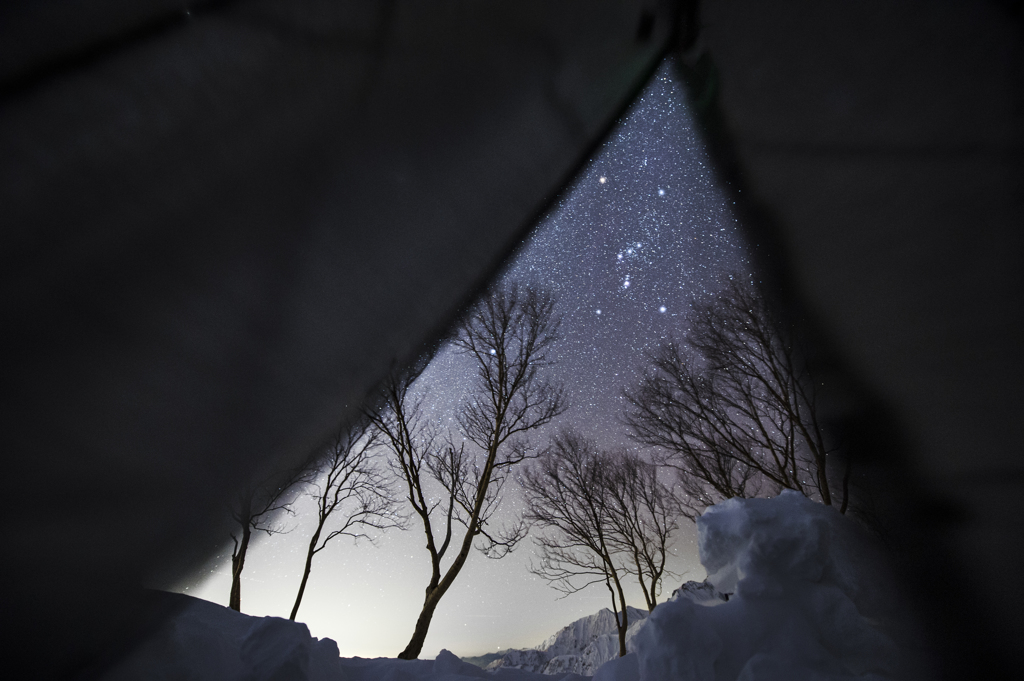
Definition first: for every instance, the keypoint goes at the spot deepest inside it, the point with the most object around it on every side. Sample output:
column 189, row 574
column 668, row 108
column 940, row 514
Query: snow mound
column 579, row 648
column 208, row 642
column 801, row 595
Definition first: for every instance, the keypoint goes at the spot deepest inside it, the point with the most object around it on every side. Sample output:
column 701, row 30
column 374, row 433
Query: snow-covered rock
column 563, row 664
column 530, row 660
column 700, row 592
column 574, row 638
column 807, row 599
column 578, row 648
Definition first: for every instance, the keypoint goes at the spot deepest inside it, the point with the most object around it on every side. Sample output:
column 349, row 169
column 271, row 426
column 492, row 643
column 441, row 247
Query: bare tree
column 734, row 407
column 348, row 486
column 255, row 510
column 565, row 494
column 644, row 514
column 507, row 335
column 677, row 408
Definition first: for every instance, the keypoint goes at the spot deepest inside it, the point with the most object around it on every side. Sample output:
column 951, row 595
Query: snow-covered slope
column 208, row 642
column 576, row 637
column 794, row 592
column 580, row 647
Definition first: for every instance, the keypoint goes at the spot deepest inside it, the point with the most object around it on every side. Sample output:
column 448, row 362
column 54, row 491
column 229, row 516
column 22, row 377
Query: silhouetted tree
column 644, row 513
column 507, row 335
column 255, row 510
column 350, row 488
column 565, row 494
column 734, row 406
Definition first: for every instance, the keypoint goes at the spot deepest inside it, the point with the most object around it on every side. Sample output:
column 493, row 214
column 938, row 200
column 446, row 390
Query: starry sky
column 642, row 233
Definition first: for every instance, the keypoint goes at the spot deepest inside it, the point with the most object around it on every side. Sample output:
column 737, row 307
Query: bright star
column 661, row 192
column 661, row 309
column 602, row 179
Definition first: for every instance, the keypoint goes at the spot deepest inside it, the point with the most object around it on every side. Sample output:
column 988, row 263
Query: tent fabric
column 224, row 224
column 878, row 150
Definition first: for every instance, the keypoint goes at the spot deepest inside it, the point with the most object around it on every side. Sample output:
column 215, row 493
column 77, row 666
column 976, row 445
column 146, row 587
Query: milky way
column 642, row 233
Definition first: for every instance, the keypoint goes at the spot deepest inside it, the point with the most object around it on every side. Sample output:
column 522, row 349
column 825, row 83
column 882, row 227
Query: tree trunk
column 622, row 622
column 419, row 635
column 412, row 651
column 237, row 563
column 826, row 495
column 305, row 572
column 648, row 596
column 846, row 484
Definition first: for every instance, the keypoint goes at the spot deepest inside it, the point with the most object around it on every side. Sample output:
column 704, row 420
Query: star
column 676, row 250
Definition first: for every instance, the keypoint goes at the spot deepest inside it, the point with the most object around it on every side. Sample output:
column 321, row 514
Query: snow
column 575, row 638
column 807, row 598
column 530, row 660
column 580, row 647
column 700, row 592
column 208, row 642
column 794, row 591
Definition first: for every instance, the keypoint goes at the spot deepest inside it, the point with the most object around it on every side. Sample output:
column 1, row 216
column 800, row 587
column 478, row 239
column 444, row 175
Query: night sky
column 642, row 233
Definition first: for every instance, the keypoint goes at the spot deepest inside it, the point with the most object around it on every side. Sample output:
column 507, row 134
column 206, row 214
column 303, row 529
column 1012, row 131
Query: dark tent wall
column 220, row 226
column 879, row 149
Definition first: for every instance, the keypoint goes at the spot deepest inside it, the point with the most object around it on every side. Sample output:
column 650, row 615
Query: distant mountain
column 482, row 660
column 580, row 648
column 589, row 642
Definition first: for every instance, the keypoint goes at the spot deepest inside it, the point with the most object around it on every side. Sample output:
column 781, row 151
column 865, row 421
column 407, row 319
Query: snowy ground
column 794, row 591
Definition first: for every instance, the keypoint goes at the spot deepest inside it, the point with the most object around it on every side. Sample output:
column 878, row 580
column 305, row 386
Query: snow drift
column 794, row 592
column 208, row 642
column 806, row 597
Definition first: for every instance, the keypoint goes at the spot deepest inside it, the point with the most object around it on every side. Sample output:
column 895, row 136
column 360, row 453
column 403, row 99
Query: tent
column 224, row 221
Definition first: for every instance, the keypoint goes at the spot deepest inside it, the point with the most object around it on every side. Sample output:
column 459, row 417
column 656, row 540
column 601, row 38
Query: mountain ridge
column 579, row 647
